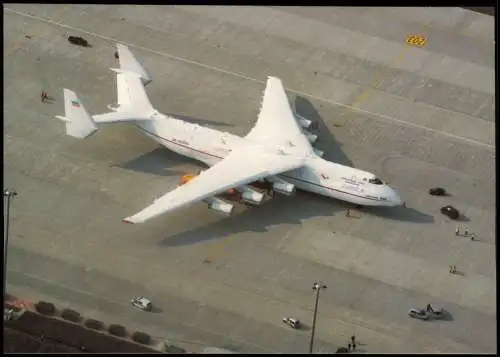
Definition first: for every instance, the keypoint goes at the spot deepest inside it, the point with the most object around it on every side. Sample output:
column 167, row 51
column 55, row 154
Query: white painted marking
column 181, row 59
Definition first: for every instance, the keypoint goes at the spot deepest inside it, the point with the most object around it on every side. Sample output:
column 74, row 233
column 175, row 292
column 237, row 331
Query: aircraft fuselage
column 317, row 175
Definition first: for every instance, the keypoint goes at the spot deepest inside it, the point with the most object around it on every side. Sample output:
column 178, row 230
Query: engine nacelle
column 284, row 188
column 219, row 205
column 305, row 123
column 319, row 152
column 311, row 137
column 249, row 195
column 115, row 107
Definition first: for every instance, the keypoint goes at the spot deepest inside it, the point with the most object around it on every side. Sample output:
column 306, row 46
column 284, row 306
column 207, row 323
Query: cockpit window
column 376, row 181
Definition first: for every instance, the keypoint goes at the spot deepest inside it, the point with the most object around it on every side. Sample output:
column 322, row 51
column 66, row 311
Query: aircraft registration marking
column 353, row 188
column 352, row 181
column 182, row 142
column 416, row 40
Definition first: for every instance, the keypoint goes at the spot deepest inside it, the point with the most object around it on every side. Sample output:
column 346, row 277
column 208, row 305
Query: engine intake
column 219, row 205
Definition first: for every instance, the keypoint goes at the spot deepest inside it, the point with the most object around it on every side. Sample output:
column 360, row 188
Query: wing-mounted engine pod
column 305, row 123
column 311, row 137
column 318, row 152
column 284, row 188
column 251, row 196
column 281, row 186
column 219, row 205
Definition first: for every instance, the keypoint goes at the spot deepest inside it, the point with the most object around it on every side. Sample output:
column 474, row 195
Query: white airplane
column 278, row 149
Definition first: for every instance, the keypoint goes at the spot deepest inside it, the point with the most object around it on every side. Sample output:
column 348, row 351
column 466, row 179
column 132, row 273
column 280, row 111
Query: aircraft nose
column 396, row 199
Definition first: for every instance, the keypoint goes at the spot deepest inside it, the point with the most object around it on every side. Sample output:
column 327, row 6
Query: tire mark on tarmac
column 376, row 116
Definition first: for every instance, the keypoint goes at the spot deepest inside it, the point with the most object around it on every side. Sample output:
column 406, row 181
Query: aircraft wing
column 241, row 166
column 276, row 122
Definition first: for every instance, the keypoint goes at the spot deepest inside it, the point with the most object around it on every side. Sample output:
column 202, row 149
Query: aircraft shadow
column 279, row 210
column 157, row 162
column 286, row 210
column 199, row 121
column 326, row 140
column 406, row 214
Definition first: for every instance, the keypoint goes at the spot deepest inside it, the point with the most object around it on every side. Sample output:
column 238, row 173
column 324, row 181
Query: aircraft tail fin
column 79, row 124
column 128, row 63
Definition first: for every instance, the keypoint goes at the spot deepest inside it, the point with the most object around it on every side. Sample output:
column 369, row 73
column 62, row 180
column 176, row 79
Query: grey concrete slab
column 111, row 305
column 480, row 27
column 229, row 281
column 360, row 45
column 449, row 19
column 384, row 24
column 342, row 66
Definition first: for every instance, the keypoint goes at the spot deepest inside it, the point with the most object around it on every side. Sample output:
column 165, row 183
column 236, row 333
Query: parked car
column 169, row 348
column 417, row 313
column 450, row 211
column 79, row 41
column 437, row 191
column 342, row 350
column 292, row 322
column 142, row 303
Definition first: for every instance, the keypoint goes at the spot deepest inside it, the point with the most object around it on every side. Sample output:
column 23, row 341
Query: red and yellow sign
column 416, row 40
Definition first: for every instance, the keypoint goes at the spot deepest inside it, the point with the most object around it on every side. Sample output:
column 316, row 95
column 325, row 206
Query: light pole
column 9, row 194
column 316, row 287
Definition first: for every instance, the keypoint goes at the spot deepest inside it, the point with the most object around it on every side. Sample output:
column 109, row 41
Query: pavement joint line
column 379, row 76
column 164, row 54
column 192, row 325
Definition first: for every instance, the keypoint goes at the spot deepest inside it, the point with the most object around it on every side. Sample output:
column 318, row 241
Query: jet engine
column 219, row 205
column 305, row 123
column 319, row 152
column 284, row 188
column 281, row 186
column 249, row 195
column 311, row 137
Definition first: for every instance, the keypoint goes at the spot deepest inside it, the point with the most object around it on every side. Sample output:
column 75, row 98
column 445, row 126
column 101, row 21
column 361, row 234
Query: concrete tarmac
column 417, row 116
